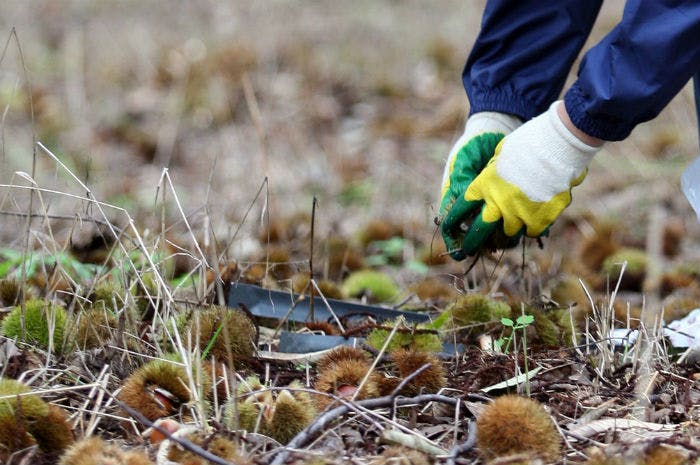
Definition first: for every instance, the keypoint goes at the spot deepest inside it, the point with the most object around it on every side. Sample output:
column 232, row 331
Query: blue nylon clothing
column 696, row 84
column 525, row 49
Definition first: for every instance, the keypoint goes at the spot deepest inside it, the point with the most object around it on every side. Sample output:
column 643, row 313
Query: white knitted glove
column 527, row 183
column 469, row 155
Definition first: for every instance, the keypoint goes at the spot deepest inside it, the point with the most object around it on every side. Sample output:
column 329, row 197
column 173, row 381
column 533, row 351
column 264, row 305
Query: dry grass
column 160, row 151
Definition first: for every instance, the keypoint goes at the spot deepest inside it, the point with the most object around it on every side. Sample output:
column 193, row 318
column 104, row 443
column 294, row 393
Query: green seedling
column 13, row 262
column 387, row 251
column 521, row 323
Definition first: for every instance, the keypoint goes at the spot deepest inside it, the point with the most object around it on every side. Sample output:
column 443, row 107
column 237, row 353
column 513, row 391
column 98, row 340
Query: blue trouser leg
column 696, row 82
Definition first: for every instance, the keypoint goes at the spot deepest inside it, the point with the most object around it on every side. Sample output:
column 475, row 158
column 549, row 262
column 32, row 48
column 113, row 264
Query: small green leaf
column 507, row 322
column 525, row 320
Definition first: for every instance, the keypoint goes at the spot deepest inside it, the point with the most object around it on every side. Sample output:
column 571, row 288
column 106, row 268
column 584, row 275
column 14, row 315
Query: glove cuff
column 567, row 135
column 578, row 154
column 543, row 158
column 491, row 121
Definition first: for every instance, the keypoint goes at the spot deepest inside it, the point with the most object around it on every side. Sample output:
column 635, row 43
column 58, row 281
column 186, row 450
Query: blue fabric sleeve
column 632, row 74
column 696, row 84
column 524, row 52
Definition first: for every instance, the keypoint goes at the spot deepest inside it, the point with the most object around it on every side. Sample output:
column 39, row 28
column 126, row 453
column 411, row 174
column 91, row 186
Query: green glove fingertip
column 455, row 223
column 477, row 236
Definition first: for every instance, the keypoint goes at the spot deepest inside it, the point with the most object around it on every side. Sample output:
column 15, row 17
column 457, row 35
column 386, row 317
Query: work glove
column 524, row 187
column 469, row 155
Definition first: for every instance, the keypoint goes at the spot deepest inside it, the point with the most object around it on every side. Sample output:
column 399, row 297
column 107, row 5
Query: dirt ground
column 175, row 114
column 358, row 100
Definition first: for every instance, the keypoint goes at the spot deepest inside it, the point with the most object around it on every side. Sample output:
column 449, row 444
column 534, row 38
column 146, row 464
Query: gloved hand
column 526, row 184
column 468, row 157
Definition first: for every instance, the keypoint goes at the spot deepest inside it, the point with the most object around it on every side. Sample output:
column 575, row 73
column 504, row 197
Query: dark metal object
column 266, row 303
column 303, row 343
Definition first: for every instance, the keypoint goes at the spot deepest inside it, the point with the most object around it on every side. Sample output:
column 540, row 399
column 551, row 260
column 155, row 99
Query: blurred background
column 356, row 103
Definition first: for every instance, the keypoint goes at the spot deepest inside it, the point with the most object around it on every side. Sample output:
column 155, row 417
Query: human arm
column 524, row 52
column 637, row 68
column 624, row 80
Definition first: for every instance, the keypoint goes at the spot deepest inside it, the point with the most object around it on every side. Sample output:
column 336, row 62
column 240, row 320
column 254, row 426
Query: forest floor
column 163, row 153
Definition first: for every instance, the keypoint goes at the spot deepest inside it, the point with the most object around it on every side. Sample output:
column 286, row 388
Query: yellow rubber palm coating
column 505, row 200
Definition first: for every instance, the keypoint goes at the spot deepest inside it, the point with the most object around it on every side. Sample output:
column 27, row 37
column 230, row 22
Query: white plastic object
column 690, row 185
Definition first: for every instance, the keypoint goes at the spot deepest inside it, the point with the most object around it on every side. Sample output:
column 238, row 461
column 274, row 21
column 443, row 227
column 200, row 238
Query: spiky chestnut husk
column 308, row 459
column 677, row 306
column 593, row 249
column 342, row 379
column 674, row 231
column 278, row 262
column 94, row 329
column 150, row 387
column 471, row 309
column 254, row 274
column 108, row 295
column 406, row 337
column 280, row 415
column 26, row 420
column 15, row 438
column 598, row 457
column 514, row 425
column 217, row 444
column 386, row 383
column 430, row 380
column 650, row 453
column 13, row 412
column 10, row 291
column 399, row 455
column 225, row 332
column 147, row 295
column 552, row 327
column 323, row 326
column 433, row 254
column 342, row 257
column 342, row 353
column 53, row 433
column 37, row 315
column 567, row 291
column 378, row 286
column 296, row 226
column 675, row 280
column 329, row 289
column 294, row 411
column 96, row 451
column 433, row 290
column 660, row 454
column 217, row 375
column 635, row 270
column 378, row 230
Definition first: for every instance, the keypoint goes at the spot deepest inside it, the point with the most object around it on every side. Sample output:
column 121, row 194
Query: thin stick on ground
column 323, row 421
column 464, row 447
column 188, row 445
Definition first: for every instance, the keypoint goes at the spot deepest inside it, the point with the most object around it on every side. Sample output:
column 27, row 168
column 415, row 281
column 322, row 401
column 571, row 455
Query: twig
column 188, row 445
column 466, row 446
column 408, row 379
column 311, row 260
column 377, row 358
column 322, row 421
column 314, row 285
column 59, row 217
column 51, row 391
